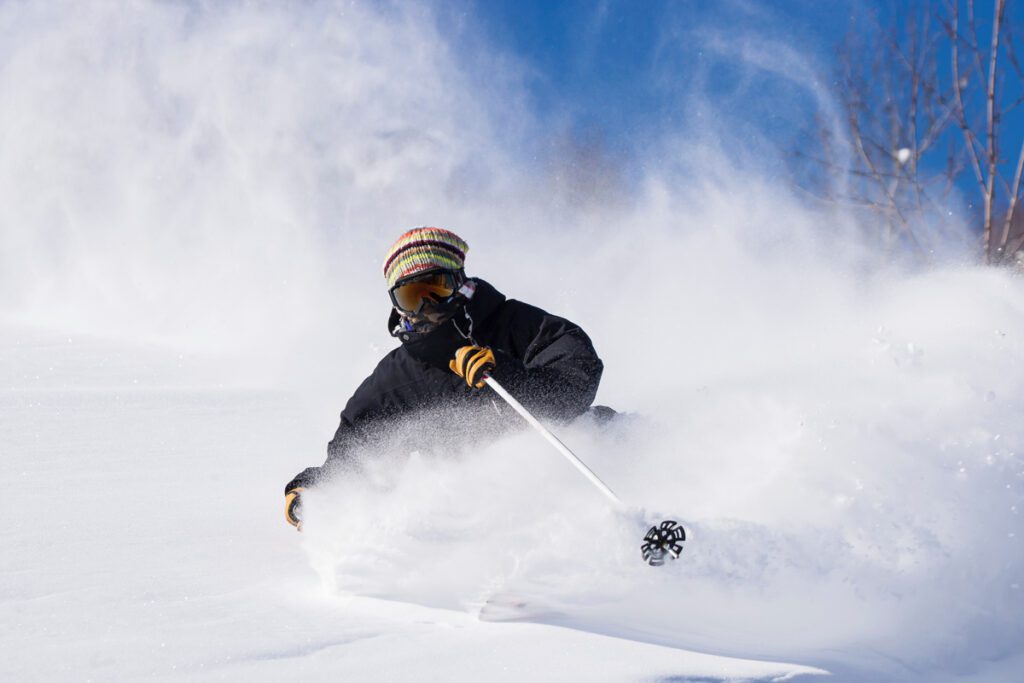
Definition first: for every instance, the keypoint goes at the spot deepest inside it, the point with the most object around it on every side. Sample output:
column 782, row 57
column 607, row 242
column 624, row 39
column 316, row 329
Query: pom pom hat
column 421, row 250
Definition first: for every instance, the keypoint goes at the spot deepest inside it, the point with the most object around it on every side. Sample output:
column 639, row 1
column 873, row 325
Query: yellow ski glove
column 293, row 507
column 471, row 362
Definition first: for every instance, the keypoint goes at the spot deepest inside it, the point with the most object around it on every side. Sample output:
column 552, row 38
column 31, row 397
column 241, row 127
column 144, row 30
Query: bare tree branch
column 1016, row 245
column 958, row 89
column 1013, row 105
column 915, row 129
column 990, row 127
column 1013, row 193
column 836, row 167
column 1011, row 53
column 975, row 44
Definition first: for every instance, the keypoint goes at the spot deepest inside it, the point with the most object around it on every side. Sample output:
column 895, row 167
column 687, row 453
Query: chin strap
column 466, row 292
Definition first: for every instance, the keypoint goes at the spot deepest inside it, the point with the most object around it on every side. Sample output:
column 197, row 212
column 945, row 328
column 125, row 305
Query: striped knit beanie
column 423, row 249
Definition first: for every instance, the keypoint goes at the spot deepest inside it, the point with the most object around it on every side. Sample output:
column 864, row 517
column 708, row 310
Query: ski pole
column 554, row 441
column 661, row 540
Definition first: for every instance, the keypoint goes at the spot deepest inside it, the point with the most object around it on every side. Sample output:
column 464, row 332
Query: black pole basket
column 662, row 540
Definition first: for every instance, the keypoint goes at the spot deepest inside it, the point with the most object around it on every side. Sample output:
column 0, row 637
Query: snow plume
column 200, row 171
column 844, row 441
column 845, row 448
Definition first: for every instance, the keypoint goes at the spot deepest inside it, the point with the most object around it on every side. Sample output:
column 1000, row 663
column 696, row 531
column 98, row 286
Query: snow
column 144, row 539
column 865, row 525
column 195, row 203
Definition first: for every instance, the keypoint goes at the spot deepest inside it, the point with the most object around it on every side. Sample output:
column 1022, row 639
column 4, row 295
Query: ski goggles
column 436, row 287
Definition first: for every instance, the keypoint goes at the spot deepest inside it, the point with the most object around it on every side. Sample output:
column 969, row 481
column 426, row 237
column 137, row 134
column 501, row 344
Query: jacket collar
column 437, row 345
column 485, row 301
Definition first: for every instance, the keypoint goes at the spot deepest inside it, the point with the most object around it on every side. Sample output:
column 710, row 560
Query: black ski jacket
column 547, row 362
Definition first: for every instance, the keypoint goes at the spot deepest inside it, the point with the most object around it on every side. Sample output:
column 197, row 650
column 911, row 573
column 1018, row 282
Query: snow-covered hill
column 194, row 203
column 144, row 540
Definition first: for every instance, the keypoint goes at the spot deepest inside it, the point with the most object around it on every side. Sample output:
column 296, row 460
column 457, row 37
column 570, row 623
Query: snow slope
column 144, row 534
column 194, row 200
column 144, row 540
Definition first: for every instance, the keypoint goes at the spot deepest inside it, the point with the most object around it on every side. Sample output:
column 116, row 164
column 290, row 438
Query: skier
column 453, row 329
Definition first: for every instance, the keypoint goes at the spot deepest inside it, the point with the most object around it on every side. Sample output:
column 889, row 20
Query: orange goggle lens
column 409, row 296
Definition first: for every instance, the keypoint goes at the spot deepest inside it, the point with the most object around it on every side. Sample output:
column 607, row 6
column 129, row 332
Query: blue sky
column 623, row 69
column 619, row 65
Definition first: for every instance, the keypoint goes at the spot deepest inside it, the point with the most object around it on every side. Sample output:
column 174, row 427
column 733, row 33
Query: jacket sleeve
column 551, row 364
column 364, row 412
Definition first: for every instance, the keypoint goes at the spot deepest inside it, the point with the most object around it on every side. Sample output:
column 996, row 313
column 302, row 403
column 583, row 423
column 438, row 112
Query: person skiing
column 453, row 331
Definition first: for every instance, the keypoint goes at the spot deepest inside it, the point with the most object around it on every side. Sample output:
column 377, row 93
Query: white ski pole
column 554, row 441
column 661, row 541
